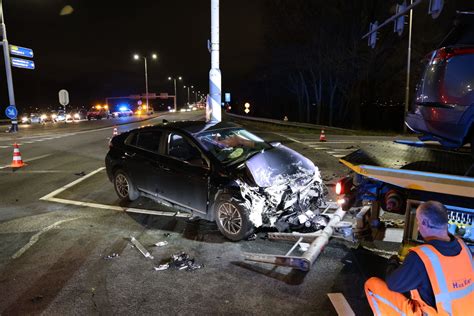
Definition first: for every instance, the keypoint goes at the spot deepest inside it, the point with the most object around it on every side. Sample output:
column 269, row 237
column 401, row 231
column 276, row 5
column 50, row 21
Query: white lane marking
column 36, row 236
column 320, row 148
column 67, row 186
column 28, row 160
column 289, row 138
column 4, row 146
column 51, row 198
column 339, row 156
column 117, row 208
column 340, row 304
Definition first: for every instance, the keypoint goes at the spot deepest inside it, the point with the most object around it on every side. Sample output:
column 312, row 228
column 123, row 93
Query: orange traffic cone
column 115, row 131
column 17, row 161
column 322, row 137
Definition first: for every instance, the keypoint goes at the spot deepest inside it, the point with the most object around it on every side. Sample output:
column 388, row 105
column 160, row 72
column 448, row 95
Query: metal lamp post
column 8, row 68
column 187, row 87
column 175, row 93
column 137, row 57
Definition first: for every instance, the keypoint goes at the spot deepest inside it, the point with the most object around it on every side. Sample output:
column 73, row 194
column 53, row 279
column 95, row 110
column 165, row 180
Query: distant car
column 60, row 116
column 219, row 172
column 98, row 113
column 122, row 113
column 80, row 115
column 444, row 106
column 33, row 118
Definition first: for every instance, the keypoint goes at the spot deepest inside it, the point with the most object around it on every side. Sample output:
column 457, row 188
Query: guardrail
column 288, row 123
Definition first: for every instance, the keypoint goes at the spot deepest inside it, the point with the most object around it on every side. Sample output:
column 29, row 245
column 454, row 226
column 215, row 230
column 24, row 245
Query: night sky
column 89, row 52
column 304, row 59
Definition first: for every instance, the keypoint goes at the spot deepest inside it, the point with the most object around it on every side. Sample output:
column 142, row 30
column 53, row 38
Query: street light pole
column 175, row 91
column 146, row 85
column 8, row 67
column 213, row 110
column 136, row 57
column 407, row 88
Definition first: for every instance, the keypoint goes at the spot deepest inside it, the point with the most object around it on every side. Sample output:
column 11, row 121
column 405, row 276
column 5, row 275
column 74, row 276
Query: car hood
column 280, row 165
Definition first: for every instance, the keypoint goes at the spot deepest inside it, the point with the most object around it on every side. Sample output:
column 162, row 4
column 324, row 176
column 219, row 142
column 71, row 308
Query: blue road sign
column 227, row 97
column 21, row 51
column 23, row 63
column 11, row 112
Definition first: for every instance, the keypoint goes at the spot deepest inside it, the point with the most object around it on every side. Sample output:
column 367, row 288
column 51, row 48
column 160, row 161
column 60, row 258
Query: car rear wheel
column 125, row 189
column 232, row 219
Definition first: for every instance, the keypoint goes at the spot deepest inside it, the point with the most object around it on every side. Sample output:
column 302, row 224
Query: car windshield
column 232, row 145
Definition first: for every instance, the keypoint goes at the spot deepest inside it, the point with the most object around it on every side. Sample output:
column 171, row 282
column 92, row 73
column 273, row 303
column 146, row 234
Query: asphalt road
column 53, row 251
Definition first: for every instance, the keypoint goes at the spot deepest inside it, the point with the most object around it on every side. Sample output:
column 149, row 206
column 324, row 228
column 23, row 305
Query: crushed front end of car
column 282, row 189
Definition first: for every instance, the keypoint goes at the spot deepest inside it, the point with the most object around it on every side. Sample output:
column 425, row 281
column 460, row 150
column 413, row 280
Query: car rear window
column 459, row 78
column 148, row 141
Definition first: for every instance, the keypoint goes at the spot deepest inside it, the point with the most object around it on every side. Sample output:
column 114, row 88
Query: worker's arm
column 406, row 277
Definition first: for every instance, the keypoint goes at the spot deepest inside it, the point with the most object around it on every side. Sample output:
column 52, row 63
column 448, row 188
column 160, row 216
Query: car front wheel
column 232, row 218
column 125, row 189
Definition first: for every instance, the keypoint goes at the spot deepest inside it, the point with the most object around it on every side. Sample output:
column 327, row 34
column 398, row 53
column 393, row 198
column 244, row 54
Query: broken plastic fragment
column 114, row 255
column 140, row 248
column 304, row 246
column 161, row 243
column 162, row 267
column 252, row 237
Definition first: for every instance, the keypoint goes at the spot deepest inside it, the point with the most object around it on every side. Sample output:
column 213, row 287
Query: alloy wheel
column 230, row 218
column 121, row 183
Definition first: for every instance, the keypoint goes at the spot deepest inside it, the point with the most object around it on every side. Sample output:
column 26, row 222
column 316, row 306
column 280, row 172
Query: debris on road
column 182, row 261
column 80, row 174
column 252, row 237
column 112, row 256
column 140, row 247
column 162, row 267
column 161, row 243
column 166, row 234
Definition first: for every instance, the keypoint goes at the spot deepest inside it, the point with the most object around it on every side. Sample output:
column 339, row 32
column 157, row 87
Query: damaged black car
column 218, row 172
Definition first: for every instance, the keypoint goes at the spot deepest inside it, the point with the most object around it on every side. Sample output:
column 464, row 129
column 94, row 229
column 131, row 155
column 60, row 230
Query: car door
column 185, row 173
column 143, row 159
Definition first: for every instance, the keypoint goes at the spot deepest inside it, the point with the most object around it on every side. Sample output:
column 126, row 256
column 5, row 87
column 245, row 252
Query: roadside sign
column 23, row 63
column 21, row 51
column 63, row 97
column 163, row 96
column 11, row 112
column 227, row 97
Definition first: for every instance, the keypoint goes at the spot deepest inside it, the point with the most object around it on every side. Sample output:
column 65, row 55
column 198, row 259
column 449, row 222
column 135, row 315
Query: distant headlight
column 76, row 116
column 182, row 110
column 54, row 116
column 68, row 116
column 24, row 119
column 44, row 117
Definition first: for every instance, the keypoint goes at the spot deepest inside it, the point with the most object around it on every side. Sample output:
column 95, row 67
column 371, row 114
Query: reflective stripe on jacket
column 452, row 279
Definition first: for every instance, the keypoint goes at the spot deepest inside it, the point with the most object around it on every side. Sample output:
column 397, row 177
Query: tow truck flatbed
column 417, row 168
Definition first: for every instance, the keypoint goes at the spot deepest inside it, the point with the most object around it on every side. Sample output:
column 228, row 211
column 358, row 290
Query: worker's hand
column 392, row 264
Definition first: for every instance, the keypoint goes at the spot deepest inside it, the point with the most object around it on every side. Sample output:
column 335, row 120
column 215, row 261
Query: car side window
column 149, row 141
column 131, row 139
column 181, row 149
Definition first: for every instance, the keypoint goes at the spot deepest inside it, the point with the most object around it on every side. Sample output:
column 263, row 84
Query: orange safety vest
column 452, row 279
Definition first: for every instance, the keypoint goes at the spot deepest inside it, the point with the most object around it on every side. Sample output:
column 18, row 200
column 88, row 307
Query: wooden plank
column 340, row 304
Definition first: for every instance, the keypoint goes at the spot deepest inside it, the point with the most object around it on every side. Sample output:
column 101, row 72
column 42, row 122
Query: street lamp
column 175, row 93
column 192, row 87
column 137, row 57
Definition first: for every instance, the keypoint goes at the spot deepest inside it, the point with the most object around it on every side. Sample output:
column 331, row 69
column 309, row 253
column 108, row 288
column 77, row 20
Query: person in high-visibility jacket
column 439, row 275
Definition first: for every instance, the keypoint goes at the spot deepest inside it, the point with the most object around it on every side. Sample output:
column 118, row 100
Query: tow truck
column 397, row 177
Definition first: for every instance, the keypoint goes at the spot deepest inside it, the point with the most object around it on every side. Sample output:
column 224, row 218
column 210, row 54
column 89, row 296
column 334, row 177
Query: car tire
column 232, row 218
column 124, row 187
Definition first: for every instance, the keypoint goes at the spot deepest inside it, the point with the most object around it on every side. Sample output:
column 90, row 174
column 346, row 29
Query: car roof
column 194, row 127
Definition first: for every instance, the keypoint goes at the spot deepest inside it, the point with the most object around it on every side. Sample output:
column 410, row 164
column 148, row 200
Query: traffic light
column 399, row 22
column 373, row 34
